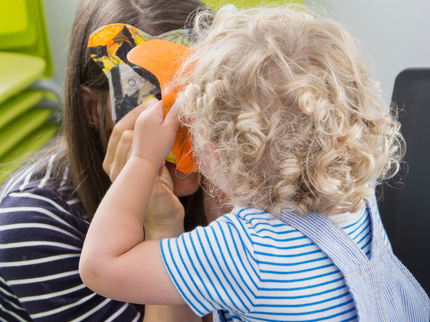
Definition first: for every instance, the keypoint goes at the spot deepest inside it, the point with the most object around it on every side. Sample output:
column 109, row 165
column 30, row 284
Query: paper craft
column 131, row 83
column 164, row 59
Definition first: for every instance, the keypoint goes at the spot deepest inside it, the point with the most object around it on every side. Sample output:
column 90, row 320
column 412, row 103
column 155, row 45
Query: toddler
column 287, row 125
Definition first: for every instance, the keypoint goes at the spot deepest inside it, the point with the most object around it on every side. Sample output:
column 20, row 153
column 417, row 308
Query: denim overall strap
column 382, row 288
column 218, row 316
column 344, row 253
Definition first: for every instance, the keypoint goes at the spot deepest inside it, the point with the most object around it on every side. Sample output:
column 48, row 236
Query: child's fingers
column 150, row 102
column 128, row 121
column 116, row 159
column 111, row 164
column 171, row 119
column 160, row 171
column 125, row 124
column 154, row 140
column 122, row 153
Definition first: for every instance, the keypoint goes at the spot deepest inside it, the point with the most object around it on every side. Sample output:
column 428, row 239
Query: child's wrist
column 157, row 234
column 138, row 161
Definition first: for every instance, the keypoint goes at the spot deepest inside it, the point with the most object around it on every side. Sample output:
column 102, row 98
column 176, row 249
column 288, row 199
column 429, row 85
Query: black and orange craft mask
column 139, row 67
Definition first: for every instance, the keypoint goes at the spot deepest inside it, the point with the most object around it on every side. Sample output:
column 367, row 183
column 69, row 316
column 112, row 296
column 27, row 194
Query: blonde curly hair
column 283, row 114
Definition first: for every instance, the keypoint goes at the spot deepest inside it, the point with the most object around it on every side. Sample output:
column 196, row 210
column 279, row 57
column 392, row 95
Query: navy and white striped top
column 41, row 236
column 257, row 268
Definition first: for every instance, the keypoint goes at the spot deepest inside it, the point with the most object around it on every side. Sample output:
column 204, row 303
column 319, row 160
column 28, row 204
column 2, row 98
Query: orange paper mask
column 164, row 59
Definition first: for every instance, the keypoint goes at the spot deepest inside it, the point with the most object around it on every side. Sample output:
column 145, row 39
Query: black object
column 405, row 205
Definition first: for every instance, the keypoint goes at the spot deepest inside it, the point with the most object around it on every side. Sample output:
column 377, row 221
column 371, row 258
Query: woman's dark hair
column 83, row 147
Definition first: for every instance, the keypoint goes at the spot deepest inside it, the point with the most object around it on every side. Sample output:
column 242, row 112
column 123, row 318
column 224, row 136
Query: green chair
column 18, row 105
column 25, row 100
column 18, row 129
column 216, row 4
column 17, row 72
column 23, row 30
column 35, row 140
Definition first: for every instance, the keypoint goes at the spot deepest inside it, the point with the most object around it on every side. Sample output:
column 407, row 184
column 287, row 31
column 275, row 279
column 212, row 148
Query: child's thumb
column 172, row 116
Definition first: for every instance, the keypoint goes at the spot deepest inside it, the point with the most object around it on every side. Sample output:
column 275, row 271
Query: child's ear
column 90, row 100
column 216, row 176
column 214, row 164
column 211, row 165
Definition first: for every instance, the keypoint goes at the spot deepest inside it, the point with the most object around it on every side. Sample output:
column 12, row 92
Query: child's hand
column 154, row 137
column 164, row 216
column 121, row 140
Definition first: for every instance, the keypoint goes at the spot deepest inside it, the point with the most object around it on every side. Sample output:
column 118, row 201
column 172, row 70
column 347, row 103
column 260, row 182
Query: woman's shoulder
column 36, row 197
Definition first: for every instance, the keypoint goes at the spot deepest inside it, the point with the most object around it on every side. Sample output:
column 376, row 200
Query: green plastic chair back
column 23, row 30
column 24, row 128
column 25, row 57
column 17, row 72
column 16, row 25
column 17, row 130
column 34, row 141
column 18, row 105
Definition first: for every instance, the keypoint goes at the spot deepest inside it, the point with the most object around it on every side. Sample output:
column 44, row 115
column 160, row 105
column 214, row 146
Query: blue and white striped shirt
column 257, row 268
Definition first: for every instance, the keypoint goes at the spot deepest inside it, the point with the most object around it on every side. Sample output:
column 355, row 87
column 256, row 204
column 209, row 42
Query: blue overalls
column 382, row 288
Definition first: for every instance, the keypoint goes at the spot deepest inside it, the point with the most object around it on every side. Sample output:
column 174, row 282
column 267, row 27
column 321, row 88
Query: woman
column 46, row 208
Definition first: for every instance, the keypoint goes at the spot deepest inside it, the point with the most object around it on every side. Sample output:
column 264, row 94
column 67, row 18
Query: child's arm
column 115, row 262
column 165, row 215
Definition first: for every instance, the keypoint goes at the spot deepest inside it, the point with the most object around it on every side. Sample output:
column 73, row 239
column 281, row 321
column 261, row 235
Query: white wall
column 395, row 33
column 59, row 16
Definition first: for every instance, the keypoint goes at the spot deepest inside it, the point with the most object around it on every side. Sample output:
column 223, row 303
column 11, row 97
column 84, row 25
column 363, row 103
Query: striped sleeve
column 214, row 267
column 40, row 247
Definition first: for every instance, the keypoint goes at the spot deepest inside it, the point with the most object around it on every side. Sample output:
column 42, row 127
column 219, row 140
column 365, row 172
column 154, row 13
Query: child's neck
column 335, row 211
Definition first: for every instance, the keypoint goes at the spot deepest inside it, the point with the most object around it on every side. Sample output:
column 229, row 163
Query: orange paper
column 164, row 59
